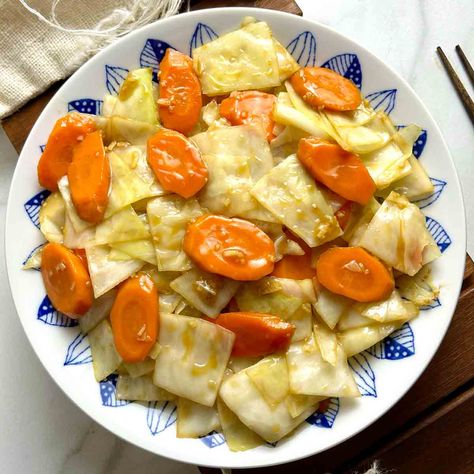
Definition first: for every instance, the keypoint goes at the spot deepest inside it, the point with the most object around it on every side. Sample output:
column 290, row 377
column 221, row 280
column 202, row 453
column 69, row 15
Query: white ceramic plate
column 384, row 373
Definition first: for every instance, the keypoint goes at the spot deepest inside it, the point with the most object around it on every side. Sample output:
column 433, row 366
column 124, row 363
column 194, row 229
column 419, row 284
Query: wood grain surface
column 430, row 430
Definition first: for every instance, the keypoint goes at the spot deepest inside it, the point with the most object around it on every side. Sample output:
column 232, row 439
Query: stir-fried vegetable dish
column 229, row 236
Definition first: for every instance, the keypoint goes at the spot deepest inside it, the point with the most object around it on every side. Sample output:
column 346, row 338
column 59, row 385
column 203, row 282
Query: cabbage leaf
column 140, row 388
column 418, row 288
column 51, row 218
column 195, row 420
column 99, row 310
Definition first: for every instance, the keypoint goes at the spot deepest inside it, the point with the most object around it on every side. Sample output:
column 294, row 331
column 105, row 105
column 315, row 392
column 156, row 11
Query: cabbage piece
column 194, row 354
column 132, row 179
column 240, row 60
column 270, row 376
column 242, row 397
column 168, row 217
column 136, row 97
column 141, row 389
column 330, row 307
column 51, row 218
column 297, row 404
column 137, row 369
column 126, row 130
column 78, row 240
column 392, row 309
column 34, row 260
column 161, row 280
column 351, row 118
column 207, row 292
column 142, row 249
column 415, row 185
column 352, row 318
column 105, row 358
column 289, row 193
column 236, row 157
column 236, row 364
column 187, row 310
column 195, row 420
column 389, row 163
column 326, row 340
column 106, row 273
column 357, row 340
column 99, row 310
column 418, row 288
column 78, row 224
column 359, row 221
column 286, row 63
column 302, row 289
column 122, row 226
column 284, row 113
column 397, row 234
column 237, row 435
column 286, row 142
column 310, row 375
column 302, row 319
column 169, row 302
column 108, row 105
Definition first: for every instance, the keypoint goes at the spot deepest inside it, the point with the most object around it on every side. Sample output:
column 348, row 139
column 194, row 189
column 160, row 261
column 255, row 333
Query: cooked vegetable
column 250, row 107
column 105, row 358
column 207, row 292
column 352, row 318
column 180, row 99
column 256, row 334
column 397, row 234
column 34, row 260
column 137, row 369
column 391, row 309
column 418, row 288
column 136, row 97
column 177, row 163
column 106, row 273
column 236, row 157
column 238, row 436
column 272, row 423
column 89, row 178
column 140, row 388
column 359, row 221
column 194, row 354
column 142, row 249
column 119, row 132
column 240, row 60
column 310, row 374
column 341, row 171
column 296, row 267
column 169, row 217
column 286, row 63
column 195, row 420
column 233, row 248
column 67, row 132
column 134, row 318
column 99, row 310
column 66, row 280
column 73, row 239
column 326, row 340
column 324, row 88
column 78, row 224
column 51, row 218
column 293, row 197
column 330, row 306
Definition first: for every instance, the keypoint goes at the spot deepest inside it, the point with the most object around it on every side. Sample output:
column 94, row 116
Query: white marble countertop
column 42, row 430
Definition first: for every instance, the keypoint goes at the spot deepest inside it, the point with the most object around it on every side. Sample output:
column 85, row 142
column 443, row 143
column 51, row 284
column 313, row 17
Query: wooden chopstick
column 460, row 89
column 465, row 63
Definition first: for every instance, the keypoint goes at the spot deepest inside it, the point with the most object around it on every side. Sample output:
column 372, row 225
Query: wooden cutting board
column 431, row 429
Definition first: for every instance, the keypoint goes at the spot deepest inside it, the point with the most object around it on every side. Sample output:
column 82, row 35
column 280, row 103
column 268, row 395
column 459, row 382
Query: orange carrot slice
column 341, row 171
column 134, row 317
column 256, row 334
column 68, row 131
column 233, row 248
column 177, row 163
column 343, row 214
column 66, row 280
column 89, row 178
column 250, row 107
column 180, row 99
column 322, row 88
column 353, row 272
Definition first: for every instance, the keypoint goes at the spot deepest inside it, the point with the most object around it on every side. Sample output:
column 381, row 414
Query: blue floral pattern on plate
column 383, row 100
column 213, row 439
column 364, row 375
column 49, row 315
column 202, row 35
column 33, row 206
column 85, row 106
column 440, row 236
column 152, row 53
column 108, row 392
column 78, row 351
column 303, row 49
column 438, row 185
column 400, row 344
column 346, row 65
column 160, row 415
column 326, row 418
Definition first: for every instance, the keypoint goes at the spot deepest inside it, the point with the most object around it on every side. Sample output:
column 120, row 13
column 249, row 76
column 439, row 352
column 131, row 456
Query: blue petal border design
column 383, row 100
column 213, row 439
column 347, row 65
column 86, row 106
column 49, row 315
column 202, row 34
column 160, row 415
column 363, row 375
column 108, row 390
column 79, row 351
column 152, row 53
column 326, row 418
column 114, row 77
column 440, row 236
column 33, row 206
column 303, row 49
column 399, row 345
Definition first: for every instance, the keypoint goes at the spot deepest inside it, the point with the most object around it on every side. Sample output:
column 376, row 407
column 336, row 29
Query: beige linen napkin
column 41, row 46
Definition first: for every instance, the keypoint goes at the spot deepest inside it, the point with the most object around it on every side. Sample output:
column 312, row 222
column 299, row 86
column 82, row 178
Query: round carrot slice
column 353, row 272
column 134, row 317
column 250, row 107
column 233, row 248
column 256, row 334
column 180, row 99
column 68, row 131
column 341, row 171
column 89, row 178
column 66, row 280
column 322, row 88
column 177, row 163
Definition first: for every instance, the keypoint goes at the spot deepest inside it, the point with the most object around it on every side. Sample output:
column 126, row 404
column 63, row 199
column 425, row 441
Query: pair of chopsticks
column 460, row 89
